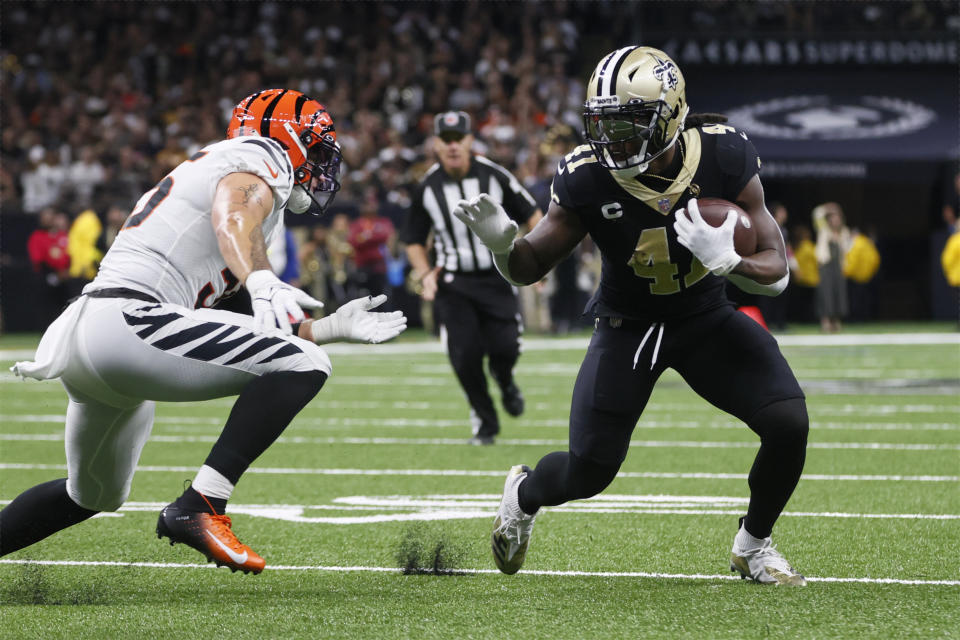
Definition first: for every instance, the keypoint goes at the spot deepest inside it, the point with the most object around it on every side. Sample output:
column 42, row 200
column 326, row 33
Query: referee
column 477, row 310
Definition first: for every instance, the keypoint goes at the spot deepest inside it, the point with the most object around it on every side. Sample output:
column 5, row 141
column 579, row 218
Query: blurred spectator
column 9, row 196
column 116, row 217
column 314, row 263
column 804, row 275
column 833, row 242
column 859, row 267
column 85, row 232
column 43, row 181
column 950, row 258
column 341, row 281
column 284, row 259
column 371, row 236
column 951, row 205
column 47, row 248
column 85, row 175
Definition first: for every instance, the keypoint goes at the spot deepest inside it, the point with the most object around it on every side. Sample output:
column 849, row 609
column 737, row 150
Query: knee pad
column 783, row 422
column 97, row 494
column 312, row 357
column 587, row 478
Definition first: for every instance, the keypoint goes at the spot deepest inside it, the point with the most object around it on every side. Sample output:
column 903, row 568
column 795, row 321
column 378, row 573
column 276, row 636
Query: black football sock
column 262, row 411
column 560, row 477
column 782, row 427
column 192, row 500
column 37, row 513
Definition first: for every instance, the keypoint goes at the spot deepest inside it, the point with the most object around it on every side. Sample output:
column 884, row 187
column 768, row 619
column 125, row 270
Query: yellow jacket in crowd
column 807, row 274
column 82, row 245
column 862, row 260
column 950, row 259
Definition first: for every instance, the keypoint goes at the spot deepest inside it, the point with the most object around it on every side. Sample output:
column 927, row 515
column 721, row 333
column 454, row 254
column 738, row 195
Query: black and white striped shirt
column 458, row 249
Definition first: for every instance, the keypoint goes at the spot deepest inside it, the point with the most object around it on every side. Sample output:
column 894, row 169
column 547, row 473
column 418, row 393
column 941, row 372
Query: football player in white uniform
column 142, row 330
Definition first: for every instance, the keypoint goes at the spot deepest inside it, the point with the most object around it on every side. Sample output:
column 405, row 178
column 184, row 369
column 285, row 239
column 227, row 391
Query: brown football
column 714, row 212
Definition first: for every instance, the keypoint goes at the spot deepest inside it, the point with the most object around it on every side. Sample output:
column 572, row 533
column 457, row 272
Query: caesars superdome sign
column 715, row 51
column 843, row 101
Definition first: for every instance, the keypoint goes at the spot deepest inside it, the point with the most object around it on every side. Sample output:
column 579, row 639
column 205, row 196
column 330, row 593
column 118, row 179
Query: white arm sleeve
column 751, row 286
column 502, row 262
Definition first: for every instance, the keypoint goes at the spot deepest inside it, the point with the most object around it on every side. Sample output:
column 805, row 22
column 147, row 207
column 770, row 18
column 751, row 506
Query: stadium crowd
column 102, row 99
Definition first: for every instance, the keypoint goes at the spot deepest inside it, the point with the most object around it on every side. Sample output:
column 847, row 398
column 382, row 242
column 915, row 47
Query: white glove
column 489, row 221
column 274, row 300
column 713, row 246
column 354, row 322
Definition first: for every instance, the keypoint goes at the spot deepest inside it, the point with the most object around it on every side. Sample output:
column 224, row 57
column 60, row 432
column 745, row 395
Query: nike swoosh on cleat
column 239, row 558
column 270, row 169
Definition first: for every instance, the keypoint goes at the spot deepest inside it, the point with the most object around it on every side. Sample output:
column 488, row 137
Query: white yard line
column 645, row 444
column 458, row 423
column 580, row 343
column 822, row 408
column 499, row 473
column 526, row 572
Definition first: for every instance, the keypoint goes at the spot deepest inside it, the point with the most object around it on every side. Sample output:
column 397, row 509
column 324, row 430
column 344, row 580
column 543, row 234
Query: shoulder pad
column 260, row 156
column 574, row 182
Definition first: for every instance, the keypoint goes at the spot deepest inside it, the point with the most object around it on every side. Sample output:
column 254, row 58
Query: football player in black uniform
column 661, row 300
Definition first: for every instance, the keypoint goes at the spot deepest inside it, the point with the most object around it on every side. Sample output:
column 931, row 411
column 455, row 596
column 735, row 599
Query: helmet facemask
column 628, row 136
column 319, row 175
column 635, row 109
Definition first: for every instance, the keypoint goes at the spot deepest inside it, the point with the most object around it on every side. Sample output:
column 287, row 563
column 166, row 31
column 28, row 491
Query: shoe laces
column 514, row 528
column 768, row 556
column 220, row 525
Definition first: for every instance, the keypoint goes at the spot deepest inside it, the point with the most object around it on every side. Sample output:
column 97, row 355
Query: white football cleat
column 765, row 565
column 512, row 527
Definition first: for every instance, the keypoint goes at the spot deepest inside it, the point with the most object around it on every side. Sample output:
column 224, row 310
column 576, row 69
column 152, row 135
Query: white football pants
column 117, row 356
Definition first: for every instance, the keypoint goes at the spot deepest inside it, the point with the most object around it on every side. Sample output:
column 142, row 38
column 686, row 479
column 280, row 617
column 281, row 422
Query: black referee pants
column 480, row 316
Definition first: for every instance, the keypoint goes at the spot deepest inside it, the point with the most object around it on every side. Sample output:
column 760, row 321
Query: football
column 714, row 212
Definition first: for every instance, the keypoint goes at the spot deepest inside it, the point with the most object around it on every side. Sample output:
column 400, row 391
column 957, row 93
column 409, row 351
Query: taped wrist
column 327, row 329
column 260, row 279
column 725, row 263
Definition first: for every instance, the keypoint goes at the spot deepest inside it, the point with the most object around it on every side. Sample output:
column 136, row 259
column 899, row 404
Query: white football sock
column 212, row 483
column 744, row 541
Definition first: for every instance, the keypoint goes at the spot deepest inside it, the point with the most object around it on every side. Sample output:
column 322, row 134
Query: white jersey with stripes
column 168, row 248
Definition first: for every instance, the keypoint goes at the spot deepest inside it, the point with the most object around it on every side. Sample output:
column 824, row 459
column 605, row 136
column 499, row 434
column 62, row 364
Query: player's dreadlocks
column 695, row 120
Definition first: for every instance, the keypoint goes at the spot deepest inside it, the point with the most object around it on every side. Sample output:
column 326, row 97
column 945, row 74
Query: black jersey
column 646, row 272
column 458, row 249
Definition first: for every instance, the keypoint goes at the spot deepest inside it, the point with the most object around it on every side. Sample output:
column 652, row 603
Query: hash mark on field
column 495, row 474
column 525, row 572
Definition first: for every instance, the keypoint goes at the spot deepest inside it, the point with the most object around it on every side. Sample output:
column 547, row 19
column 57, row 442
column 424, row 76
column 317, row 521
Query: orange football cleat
column 209, row 534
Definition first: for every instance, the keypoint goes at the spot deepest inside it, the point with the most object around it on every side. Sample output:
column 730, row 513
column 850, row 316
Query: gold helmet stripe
column 607, row 82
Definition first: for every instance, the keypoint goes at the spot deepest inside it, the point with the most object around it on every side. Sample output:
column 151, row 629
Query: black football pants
column 479, row 315
column 727, row 358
